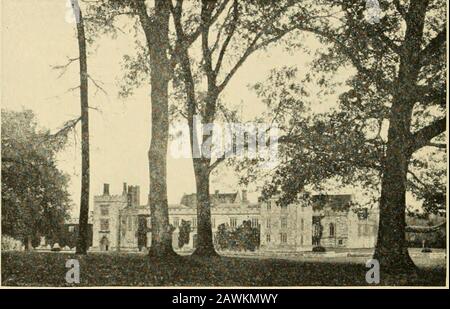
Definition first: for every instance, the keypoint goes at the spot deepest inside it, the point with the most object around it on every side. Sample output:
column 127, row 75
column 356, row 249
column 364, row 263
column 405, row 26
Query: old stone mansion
column 120, row 222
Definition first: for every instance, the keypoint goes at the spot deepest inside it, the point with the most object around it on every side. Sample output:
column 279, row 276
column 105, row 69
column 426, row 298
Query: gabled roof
column 223, row 198
column 333, row 201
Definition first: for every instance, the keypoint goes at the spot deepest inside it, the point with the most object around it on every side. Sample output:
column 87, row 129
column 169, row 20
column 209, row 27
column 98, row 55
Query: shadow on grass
column 121, row 269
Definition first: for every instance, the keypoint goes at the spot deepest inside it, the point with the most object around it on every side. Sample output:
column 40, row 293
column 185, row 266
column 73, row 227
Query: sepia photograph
column 245, row 144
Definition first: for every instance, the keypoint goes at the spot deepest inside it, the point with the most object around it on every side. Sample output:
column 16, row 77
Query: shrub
column 318, row 249
column 11, row 244
column 244, row 237
column 183, row 236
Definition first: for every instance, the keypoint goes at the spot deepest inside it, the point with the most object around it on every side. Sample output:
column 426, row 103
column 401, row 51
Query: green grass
column 96, row 269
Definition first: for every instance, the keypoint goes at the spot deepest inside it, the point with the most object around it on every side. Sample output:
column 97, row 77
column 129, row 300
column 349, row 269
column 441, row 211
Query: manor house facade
column 120, row 222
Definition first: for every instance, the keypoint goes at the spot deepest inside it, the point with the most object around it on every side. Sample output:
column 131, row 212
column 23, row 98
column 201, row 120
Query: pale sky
column 36, row 36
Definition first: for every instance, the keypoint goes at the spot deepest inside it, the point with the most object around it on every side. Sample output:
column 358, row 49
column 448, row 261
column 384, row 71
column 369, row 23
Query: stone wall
column 110, row 236
column 335, row 229
column 285, row 228
column 362, row 232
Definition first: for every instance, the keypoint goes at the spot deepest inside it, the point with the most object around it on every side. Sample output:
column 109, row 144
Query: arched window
column 332, row 230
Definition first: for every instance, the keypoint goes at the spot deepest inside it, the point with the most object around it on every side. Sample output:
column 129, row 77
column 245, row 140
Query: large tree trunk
column 391, row 250
column 157, row 35
column 205, row 246
column 28, row 243
column 82, row 243
column 161, row 233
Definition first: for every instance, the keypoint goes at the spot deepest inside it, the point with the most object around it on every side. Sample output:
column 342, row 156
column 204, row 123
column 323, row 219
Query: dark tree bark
column 28, row 244
column 157, row 36
column 205, row 246
column 82, row 242
column 391, row 250
column 202, row 164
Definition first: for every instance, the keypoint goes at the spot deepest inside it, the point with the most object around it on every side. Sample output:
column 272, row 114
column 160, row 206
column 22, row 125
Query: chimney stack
column 137, row 195
column 133, row 196
column 106, row 189
column 124, row 192
column 244, row 196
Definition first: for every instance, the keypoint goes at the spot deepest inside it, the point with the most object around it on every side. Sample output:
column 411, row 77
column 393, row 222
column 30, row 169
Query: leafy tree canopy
column 348, row 144
column 35, row 200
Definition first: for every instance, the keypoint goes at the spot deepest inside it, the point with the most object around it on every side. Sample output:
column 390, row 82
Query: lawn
column 121, row 269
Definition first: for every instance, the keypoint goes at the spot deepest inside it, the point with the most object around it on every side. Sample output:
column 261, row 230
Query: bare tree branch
column 96, row 109
column 438, row 145
column 228, row 38
column 423, row 137
column 184, row 41
column 435, row 44
column 250, row 49
column 220, row 159
column 63, row 68
column 73, row 88
column 220, row 30
column 424, row 229
column 207, row 55
column 416, row 178
column 389, row 43
column 68, row 125
column 431, row 95
column 400, row 8
column 97, row 85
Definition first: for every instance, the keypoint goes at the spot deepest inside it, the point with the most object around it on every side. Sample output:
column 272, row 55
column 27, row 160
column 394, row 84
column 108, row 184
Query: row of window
column 104, row 223
column 284, row 223
column 126, row 221
column 233, row 222
column 283, row 238
column 273, row 203
column 365, row 230
column 254, row 222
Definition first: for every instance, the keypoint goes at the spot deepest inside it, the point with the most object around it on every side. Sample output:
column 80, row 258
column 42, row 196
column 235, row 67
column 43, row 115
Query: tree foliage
column 185, row 231
column 348, row 144
column 244, row 237
column 398, row 92
column 208, row 43
column 35, row 200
